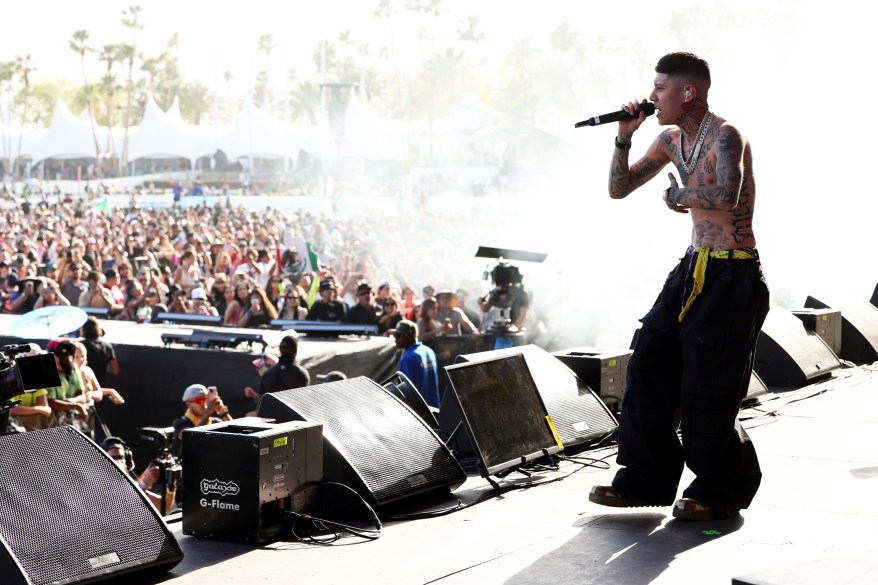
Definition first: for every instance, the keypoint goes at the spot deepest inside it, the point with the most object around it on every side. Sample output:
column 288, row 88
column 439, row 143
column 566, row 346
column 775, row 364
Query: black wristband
column 622, row 145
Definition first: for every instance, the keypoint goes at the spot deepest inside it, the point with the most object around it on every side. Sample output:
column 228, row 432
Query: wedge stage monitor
column 503, row 413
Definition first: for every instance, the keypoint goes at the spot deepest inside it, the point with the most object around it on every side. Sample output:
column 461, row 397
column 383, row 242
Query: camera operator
column 32, row 411
column 119, row 451
column 513, row 298
column 202, row 404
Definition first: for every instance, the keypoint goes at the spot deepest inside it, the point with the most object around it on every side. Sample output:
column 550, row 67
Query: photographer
column 50, row 295
column 202, row 404
column 119, row 451
column 25, row 298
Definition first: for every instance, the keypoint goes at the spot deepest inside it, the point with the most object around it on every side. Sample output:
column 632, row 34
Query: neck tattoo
column 690, row 162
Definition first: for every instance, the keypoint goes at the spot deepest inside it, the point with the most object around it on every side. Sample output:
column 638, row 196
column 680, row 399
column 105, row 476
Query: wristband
column 622, row 145
column 142, row 484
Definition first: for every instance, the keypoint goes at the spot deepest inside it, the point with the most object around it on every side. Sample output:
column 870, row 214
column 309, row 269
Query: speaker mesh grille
column 391, row 449
column 579, row 415
column 67, row 511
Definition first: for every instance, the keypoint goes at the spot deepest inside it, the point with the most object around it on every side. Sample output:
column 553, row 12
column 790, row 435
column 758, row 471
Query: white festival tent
column 255, row 133
column 67, row 137
column 163, row 135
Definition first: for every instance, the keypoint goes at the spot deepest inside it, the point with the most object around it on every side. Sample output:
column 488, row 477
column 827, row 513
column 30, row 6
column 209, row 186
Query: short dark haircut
column 688, row 67
column 91, row 329
column 289, row 345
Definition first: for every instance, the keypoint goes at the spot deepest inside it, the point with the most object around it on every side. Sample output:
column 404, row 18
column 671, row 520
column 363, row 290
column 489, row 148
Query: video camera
column 507, row 280
column 160, row 441
column 25, row 374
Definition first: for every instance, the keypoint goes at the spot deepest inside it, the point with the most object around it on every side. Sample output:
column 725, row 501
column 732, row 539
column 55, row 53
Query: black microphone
column 647, row 108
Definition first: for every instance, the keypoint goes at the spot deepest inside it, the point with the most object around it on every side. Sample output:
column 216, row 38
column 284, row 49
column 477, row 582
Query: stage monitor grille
column 69, row 514
column 580, row 416
column 370, row 437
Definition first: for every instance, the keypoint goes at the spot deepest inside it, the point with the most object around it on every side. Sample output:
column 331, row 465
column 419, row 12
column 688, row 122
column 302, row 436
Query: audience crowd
column 247, row 268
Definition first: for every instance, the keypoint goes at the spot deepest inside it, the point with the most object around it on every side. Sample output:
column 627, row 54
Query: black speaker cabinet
column 859, row 328
column 70, row 514
column 241, row 477
column 373, row 443
column 400, row 386
column 604, row 371
column 755, row 390
column 788, row 355
column 579, row 415
column 826, row 323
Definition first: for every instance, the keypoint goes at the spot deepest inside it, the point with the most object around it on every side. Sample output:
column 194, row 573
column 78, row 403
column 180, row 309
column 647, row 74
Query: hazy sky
column 216, row 36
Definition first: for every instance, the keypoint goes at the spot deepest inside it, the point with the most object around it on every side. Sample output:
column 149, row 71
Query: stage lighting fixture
column 214, row 339
column 323, row 328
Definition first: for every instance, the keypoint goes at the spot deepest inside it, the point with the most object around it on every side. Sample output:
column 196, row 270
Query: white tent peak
column 174, row 112
column 66, row 137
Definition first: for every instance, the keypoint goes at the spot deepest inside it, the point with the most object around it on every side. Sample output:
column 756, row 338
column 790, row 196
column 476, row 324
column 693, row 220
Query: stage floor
column 815, row 520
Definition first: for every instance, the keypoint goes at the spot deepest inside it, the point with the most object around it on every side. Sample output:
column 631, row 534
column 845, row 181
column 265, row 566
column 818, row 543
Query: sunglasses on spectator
column 389, row 304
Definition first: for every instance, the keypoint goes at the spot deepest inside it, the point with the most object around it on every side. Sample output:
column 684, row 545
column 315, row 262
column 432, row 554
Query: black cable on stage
column 582, row 463
column 428, row 514
column 527, row 485
column 846, row 380
column 587, row 461
column 304, row 522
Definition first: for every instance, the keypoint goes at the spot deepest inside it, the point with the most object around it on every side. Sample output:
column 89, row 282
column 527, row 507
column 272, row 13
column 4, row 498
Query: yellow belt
column 701, row 268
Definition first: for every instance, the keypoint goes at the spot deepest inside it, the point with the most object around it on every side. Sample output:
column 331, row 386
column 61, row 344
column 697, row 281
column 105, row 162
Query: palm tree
column 169, row 80
column 387, row 9
column 130, row 19
column 195, row 101
column 126, row 53
column 109, row 54
column 7, row 74
column 78, row 43
column 261, row 91
column 304, row 101
column 152, row 67
column 470, row 32
column 23, row 69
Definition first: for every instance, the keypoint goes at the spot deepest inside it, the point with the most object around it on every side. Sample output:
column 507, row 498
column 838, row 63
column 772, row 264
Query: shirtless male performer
column 696, row 348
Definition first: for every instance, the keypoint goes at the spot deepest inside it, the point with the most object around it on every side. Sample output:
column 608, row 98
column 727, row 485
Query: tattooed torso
column 714, row 225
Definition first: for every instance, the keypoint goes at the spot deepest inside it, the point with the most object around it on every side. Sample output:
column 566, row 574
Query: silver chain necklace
column 689, row 163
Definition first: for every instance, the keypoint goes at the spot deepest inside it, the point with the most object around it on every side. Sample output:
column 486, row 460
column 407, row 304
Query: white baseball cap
column 194, row 391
